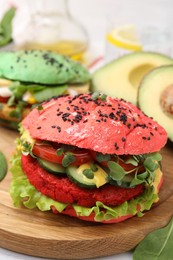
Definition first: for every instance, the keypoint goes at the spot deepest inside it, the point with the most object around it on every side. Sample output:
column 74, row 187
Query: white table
column 9, row 255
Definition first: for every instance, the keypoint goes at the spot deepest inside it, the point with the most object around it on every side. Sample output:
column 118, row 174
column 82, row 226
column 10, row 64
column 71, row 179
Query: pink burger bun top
column 110, row 126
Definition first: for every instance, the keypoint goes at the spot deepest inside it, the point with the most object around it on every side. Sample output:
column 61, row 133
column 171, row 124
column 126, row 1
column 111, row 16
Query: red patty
column 63, row 190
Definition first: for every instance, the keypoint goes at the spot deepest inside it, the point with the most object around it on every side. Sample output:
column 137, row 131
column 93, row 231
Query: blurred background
column 90, row 22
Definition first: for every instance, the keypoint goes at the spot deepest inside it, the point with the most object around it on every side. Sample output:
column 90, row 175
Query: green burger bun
column 29, row 77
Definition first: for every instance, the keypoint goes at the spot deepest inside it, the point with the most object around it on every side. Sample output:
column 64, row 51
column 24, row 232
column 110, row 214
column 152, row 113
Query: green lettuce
column 23, row 193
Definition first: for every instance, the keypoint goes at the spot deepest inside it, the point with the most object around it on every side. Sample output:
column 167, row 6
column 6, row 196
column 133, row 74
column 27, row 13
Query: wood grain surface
column 57, row 236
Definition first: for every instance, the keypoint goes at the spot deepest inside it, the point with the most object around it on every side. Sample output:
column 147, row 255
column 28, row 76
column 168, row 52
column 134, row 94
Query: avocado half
column 155, row 97
column 121, row 77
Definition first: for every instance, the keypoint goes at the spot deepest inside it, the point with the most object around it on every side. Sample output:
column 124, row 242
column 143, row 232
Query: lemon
column 125, row 37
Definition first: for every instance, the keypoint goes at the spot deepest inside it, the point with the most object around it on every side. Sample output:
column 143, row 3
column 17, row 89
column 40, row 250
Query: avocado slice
column 88, row 179
column 155, row 97
column 121, row 77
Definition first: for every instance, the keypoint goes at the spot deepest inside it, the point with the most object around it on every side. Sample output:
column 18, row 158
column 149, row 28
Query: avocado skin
column 42, row 67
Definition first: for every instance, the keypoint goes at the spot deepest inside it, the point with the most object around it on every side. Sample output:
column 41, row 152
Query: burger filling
column 57, row 175
column 19, row 95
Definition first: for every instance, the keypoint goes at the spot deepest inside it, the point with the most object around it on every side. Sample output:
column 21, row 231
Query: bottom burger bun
column 90, row 156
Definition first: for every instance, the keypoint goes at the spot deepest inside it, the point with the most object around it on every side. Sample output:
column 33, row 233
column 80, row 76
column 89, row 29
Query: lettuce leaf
column 23, row 193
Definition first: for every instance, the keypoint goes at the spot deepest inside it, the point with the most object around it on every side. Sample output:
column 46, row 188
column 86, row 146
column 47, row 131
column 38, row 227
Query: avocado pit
column 166, row 101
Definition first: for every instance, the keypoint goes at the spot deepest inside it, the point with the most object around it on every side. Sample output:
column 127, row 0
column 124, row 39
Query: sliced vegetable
column 25, row 194
column 4, row 99
column 51, row 167
column 87, row 176
column 49, row 153
column 3, row 166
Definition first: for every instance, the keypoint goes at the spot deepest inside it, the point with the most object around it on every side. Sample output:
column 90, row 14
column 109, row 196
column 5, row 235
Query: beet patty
column 63, row 190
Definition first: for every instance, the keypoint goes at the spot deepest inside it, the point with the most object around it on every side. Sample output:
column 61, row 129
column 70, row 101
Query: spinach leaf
column 157, row 245
column 6, row 27
column 3, row 166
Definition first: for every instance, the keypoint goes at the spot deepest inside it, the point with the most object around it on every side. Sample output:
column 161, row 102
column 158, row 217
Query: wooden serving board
column 57, row 236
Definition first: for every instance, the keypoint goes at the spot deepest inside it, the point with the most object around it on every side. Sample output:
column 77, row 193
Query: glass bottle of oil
column 51, row 27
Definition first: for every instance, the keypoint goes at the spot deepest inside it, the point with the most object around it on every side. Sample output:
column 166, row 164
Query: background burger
column 89, row 156
column 29, row 77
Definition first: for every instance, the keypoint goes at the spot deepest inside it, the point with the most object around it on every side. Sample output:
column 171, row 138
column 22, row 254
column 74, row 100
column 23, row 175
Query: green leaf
column 156, row 156
column 116, row 171
column 18, row 90
column 64, row 148
column 68, row 159
column 100, row 157
column 6, row 27
column 103, row 97
column 49, row 92
column 59, row 151
column 88, row 173
column 3, row 166
column 139, row 178
column 40, row 107
column 151, row 164
column 94, row 167
column 17, row 112
column 157, row 245
column 131, row 161
column 35, row 88
column 95, row 95
column 11, row 101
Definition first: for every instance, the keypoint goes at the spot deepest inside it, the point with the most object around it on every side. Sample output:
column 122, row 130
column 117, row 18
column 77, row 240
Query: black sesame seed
column 59, row 114
column 123, row 139
column 123, row 118
column 65, row 114
column 111, row 115
column 59, row 129
column 143, row 137
column 53, row 126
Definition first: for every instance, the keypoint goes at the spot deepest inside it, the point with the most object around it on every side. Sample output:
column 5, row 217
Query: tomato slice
column 4, row 99
column 48, row 152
